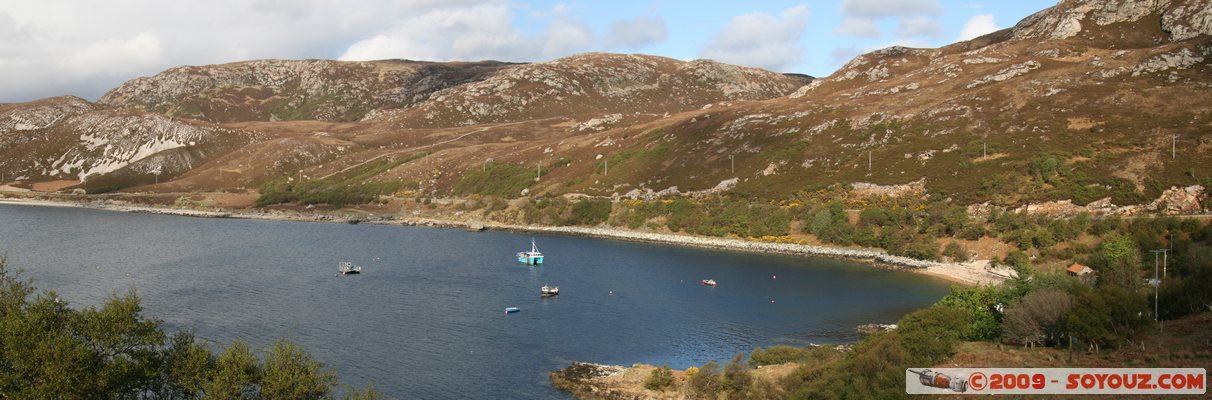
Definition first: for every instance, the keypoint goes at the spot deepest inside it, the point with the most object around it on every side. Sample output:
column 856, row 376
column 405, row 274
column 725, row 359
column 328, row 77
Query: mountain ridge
column 1072, row 103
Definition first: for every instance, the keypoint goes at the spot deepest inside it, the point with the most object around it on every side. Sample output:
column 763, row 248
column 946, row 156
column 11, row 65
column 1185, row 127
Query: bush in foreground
column 51, row 351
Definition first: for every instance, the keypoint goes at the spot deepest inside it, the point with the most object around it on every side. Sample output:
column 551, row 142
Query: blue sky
column 692, row 27
column 83, row 48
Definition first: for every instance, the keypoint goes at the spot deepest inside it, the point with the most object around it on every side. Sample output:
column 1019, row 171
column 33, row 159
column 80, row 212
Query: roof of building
column 1080, row 269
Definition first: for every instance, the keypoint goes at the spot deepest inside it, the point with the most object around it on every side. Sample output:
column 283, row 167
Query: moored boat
column 532, row 257
column 512, row 310
column 709, row 282
column 548, row 291
column 346, row 268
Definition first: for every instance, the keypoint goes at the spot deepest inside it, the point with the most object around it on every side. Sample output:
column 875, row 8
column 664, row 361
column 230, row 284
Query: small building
column 1080, row 271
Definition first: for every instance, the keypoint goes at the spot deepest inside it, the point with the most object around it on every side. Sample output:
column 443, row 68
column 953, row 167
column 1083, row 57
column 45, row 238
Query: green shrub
column 501, row 180
column 736, row 374
column 778, row 355
column 930, row 335
column 956, row 252
column 352, row 186
column 589, row 212
column 707, row 382
column 978, row 303
column 921, row 248
column 661, row 378
column 49, row 349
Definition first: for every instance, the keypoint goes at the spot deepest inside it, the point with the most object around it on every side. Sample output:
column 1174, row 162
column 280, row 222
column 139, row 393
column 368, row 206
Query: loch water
column 426, row 317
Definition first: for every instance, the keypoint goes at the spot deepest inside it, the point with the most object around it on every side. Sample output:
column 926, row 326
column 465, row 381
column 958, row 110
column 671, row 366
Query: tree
column 660, row 378
column 236, row 374
column 1037, row 318
column 49, row 350
column 956, row 252
column 369, row 393
column 292, row 374
column 1087, row 319
column 707, row 382
column 189, row 367
column 930, row 335
column 978, row 302
column 1117, row 260
column 736, row 374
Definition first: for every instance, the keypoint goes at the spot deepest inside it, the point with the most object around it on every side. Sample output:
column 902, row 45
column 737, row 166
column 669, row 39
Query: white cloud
column 902, row 42
column 916, row 18
column 761, row 40
column 566, row 36
column 637, row 32
column 890, row 8
column 858, row 27
column 842, row 55
column 918, row 25
column 977, row 26
column 477, row 32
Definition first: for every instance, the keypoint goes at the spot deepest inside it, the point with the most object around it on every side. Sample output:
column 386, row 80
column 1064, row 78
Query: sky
column 86, row 47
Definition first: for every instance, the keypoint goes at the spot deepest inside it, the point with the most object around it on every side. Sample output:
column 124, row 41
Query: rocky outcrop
column 870, row 329
column 1186, row 21
column 915, row 188
column 1012, row 71
column 1174, row 201
column 1180, row 19
column 265, row 90
column 1181, row 59
column 70, row 139
column 41, row 114
column 594, row 83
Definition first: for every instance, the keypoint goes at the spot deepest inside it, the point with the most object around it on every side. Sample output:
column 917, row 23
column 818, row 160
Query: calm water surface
column 426, row 319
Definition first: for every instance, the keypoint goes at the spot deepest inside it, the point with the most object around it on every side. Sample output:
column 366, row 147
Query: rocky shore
column 967, row 274
column 588, row 381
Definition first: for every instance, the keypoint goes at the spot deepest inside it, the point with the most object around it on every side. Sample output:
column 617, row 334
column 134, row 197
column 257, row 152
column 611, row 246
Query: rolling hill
column 1088, row 101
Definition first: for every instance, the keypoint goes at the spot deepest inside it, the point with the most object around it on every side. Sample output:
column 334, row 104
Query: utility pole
column 984, row 150
column 733, row 163
column 606, row 168
column 1165, row 255
column 868, row 162
column 540, row 174
column 1156, row 284
column 1173, row 145
column 1168, row 250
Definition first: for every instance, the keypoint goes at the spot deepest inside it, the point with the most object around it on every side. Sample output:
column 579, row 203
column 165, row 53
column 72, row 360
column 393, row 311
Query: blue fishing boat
column 532, row 257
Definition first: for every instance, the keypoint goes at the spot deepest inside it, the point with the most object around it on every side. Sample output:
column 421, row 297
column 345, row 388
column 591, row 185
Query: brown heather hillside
column 1081, row 101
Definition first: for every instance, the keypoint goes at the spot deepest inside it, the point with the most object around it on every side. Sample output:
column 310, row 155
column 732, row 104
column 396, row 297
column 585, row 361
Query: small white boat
column 346, row 268
column 709, row 282
column 512, row 310
column 548, row 291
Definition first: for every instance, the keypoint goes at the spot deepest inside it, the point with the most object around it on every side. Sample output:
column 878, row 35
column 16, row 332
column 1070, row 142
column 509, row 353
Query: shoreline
column 969, row 274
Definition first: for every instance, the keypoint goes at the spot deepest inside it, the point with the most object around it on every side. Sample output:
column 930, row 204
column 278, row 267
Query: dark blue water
column 426, row 318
